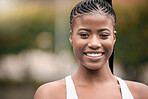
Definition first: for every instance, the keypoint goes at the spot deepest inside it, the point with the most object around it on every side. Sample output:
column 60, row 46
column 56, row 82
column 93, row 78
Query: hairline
column 92, row 13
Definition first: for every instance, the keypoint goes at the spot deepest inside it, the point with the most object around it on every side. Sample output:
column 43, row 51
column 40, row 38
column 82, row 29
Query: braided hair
column 90, row 6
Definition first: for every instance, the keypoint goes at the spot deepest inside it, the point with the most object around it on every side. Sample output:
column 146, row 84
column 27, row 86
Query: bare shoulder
column 139, row 90
column 52, row 90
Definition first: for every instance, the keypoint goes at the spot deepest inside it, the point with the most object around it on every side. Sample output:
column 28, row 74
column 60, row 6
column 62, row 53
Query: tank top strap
column 70, row 88
column 126, row 94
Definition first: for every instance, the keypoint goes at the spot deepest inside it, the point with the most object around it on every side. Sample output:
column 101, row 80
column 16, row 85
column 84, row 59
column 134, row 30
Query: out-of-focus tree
column 132, row 39
column 22, row 30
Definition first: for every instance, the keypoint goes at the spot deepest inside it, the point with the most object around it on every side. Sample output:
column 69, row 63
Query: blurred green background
column 34, row 46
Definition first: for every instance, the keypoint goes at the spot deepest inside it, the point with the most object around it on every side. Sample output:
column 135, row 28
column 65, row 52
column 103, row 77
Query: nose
column 94, row 42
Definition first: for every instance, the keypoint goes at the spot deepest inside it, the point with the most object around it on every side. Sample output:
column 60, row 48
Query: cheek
column 78, row 46
column 108, row 46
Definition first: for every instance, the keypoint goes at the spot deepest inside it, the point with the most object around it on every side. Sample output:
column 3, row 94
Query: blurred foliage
column 132, row 38
column 18, row 33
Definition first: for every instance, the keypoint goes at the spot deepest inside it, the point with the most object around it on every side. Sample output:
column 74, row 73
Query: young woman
column 93, row 37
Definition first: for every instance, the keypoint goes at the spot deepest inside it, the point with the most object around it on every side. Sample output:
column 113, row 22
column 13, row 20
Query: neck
column 89, row 76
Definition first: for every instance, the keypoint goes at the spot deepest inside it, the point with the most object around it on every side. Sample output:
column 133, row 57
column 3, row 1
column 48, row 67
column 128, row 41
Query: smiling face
column 93, row 37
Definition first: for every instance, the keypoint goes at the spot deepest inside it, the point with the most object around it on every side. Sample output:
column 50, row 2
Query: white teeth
column 94, row 54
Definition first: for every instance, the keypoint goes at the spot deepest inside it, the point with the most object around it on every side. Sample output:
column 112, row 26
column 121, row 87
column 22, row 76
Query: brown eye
column 84, row 35
column 104, row 36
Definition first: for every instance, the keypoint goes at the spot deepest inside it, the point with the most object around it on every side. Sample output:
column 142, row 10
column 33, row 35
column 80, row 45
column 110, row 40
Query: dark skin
column 92, row 37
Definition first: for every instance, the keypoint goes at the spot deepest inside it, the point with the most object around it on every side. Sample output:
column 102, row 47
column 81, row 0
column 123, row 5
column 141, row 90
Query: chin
column 93, row 66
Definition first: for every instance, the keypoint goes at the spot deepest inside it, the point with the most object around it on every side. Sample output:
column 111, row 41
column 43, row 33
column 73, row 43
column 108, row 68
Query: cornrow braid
column 88, row 6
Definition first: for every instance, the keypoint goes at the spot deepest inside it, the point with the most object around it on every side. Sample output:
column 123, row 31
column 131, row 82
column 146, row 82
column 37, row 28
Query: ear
column 114, row 36
column 70, row 38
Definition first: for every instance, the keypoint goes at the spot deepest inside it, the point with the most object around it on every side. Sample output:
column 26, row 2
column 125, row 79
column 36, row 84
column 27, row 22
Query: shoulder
column 52, row 90
column 138, row 90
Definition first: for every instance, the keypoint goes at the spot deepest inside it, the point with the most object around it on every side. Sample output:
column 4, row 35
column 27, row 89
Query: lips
column 94, row 53
column 94, row 56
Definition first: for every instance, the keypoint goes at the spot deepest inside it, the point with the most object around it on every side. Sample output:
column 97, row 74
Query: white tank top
column 71, row 92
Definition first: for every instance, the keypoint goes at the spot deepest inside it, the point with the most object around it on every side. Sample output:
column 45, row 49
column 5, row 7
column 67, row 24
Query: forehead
column 93, row 20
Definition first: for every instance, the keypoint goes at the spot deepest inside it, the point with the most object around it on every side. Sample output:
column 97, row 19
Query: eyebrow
column 105, row 29
column 100, row 30
column 84, row 29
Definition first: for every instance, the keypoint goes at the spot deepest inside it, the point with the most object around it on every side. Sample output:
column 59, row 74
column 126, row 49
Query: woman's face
column 93, row 37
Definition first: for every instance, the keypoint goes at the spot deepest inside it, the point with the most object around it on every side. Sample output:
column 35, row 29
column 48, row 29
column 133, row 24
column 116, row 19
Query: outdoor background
column 34, row 46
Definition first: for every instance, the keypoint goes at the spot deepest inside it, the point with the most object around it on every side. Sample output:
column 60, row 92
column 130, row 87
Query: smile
column 94, row 54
